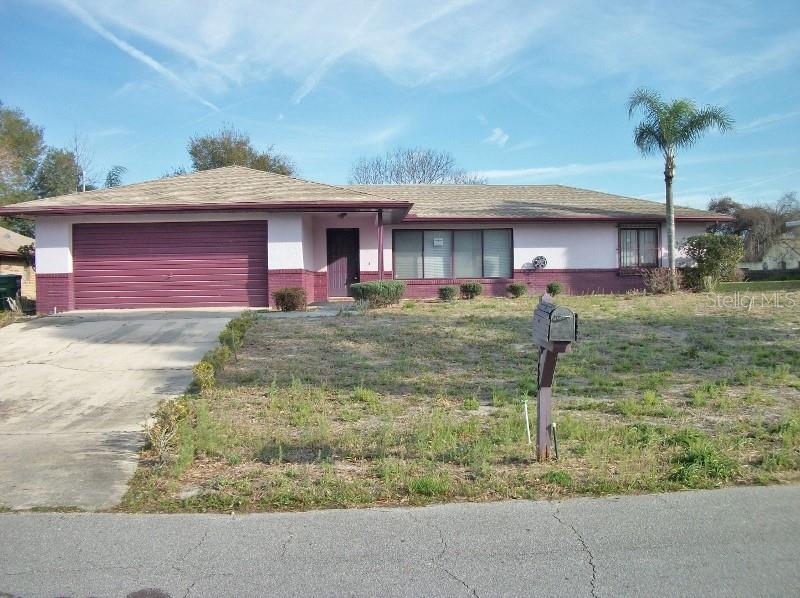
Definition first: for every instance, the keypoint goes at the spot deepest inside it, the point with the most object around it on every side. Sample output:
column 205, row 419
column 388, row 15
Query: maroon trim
column 180, row 208
column 411, row 219
column 380, row 244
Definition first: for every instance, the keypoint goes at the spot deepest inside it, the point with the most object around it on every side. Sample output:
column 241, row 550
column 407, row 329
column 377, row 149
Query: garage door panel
column 170, row 264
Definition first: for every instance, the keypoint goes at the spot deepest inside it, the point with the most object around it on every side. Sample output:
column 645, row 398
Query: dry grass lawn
column 423, row 403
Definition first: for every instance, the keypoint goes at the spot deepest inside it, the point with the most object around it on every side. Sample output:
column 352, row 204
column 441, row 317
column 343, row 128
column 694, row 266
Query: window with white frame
column 468, row 253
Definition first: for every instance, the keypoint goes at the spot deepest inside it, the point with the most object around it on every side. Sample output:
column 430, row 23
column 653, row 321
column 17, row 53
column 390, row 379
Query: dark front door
column 343, row 264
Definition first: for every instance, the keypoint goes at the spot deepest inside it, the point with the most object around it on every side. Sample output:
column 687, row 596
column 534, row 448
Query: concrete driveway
column 75, row 391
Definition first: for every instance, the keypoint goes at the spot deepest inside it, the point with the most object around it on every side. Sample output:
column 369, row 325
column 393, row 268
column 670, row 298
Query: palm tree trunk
column 669, row 174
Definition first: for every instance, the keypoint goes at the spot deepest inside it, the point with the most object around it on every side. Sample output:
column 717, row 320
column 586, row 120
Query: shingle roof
column 10, row 241
column 523, row 201
column 221, row 186
column 240, row 187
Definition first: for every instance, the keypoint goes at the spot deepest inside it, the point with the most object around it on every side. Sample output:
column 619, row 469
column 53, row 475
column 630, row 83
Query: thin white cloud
column 767, row 121
column 383, row 135
column 132, row 51
column 555, row 173
column 497, row 137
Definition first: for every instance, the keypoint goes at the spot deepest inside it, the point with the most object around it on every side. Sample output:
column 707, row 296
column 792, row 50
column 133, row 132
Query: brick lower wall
column 576, row 282
column 314, row 283
column 54, row 291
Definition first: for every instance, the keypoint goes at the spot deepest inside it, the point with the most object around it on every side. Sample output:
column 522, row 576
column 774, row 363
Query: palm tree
column 667, row 127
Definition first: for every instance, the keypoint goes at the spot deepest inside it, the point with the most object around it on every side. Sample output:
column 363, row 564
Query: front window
column 485, row 253
column 638, row 247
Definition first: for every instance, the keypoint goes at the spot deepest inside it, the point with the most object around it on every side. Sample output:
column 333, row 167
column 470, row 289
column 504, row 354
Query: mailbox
column 555, row 328
column 554, row 323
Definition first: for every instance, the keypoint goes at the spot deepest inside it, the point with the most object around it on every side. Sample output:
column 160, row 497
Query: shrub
column 716, row 258
column 290, row 299
column 656, row 280
column 555, row 288
column 162, row 432
column 379, row 293
column 471, row 403
column 517, row 289
column 470, row 290
column 204, row 375
column 447, row 293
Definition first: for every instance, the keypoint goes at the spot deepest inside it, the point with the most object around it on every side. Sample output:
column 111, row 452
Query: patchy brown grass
column 423, row 402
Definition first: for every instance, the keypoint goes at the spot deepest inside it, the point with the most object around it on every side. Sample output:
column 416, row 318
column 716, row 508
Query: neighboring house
column 11, row 262
column 784, row 254
column 230, row 236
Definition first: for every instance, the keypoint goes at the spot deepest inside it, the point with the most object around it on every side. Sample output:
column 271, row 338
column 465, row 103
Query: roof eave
column 323, row 206
column 565, row 218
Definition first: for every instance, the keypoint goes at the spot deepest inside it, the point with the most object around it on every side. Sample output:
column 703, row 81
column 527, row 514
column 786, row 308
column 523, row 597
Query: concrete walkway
column 75, row 391
column 733, row 542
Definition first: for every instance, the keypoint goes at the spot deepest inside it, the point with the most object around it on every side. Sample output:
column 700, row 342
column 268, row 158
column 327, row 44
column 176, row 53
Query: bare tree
column 83, row 163
column 411, row 166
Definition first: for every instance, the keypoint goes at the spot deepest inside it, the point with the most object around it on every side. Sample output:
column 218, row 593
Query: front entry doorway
column 343, row 264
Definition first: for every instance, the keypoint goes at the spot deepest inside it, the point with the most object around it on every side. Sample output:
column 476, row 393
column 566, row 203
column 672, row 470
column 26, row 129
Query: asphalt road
column 734, row 542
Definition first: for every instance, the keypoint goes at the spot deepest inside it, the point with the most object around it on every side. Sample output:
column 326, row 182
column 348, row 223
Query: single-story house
column 783, row 254
column 11, row 262
column 232, row 235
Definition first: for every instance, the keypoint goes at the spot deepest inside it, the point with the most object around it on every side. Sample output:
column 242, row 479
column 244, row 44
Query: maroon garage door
column 170, row 264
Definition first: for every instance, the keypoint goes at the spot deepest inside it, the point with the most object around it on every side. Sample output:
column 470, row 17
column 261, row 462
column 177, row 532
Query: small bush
column 716, row 259
column 656, row 280
column 204, row 375
column 162, row 432
column 470, row 290
column 379, row 293
column 447, row 293
column 232, row 335
column 517, row 289
column 555, row 288
column 290, row 299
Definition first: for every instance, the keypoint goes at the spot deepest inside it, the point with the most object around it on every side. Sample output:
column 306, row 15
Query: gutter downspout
column 380, row 244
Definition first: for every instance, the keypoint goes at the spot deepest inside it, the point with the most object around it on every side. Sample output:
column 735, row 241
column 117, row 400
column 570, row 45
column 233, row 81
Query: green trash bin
column 10, row 286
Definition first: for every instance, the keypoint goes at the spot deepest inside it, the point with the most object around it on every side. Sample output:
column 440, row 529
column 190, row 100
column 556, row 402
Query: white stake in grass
column 527, row 422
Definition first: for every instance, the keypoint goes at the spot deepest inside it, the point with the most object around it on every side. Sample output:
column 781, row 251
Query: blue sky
column 523, row 92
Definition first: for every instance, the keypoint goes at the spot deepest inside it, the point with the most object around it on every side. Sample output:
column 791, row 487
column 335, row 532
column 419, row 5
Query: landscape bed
column 423, row 403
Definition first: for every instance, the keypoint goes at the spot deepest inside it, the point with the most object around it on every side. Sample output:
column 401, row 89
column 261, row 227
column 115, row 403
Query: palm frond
column 647, row 100
column 699, row 121
column 647, row 137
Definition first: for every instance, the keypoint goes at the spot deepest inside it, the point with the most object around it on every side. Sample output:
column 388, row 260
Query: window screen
column 408, row 254
column 638, row 247
column 467, row 253
column 437, row 254
column 497, row 253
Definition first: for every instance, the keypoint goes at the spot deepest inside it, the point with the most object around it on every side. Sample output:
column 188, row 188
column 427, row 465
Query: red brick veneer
column 54, row 291
column 314, row 283
column 575, row 282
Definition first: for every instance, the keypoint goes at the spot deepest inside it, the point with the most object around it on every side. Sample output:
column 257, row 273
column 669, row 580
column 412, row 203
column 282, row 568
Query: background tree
column 760, row 226
column 21, row 146
column 58, row 174
column 114, row 176
column 411, row 166
column 231, row 147
column 666, row 128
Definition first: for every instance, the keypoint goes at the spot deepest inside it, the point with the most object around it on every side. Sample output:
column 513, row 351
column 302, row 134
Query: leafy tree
column 411, row 166
column 57, row 174
column 21, row 146
column 668, row 127
column 760, row 226
column 716, row 257
column 231, row 147
column 114, row 176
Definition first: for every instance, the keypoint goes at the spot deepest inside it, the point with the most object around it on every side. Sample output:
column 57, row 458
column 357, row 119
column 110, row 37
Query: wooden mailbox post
column 554, row 329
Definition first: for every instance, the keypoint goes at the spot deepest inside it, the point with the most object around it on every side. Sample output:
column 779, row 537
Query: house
column 11, row 262
column 783, row 254
column 231, row 235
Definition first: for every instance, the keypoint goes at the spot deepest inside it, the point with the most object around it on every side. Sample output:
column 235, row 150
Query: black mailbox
column 554, row 323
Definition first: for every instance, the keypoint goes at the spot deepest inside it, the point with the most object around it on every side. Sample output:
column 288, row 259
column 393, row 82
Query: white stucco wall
column 53, row 245
column 285, row 242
